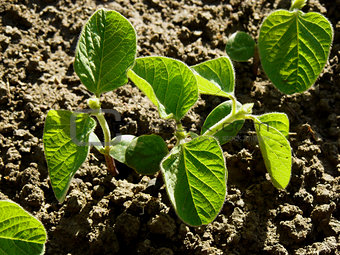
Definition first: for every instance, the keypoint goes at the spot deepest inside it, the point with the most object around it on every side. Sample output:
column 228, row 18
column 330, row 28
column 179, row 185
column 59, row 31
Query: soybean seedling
column 216, row 77
column 293, row 47
column 105, row 51
column 194, row 171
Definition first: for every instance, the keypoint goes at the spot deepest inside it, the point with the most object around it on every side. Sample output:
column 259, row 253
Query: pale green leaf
column 168, row 83
column 240, row 46
column 195, row 178
column 277, row 120
column 105, row 51
column 215, row 77
column 276, row 153
column 147, row 89
column 119, row 145
column 294, row 48
column 95, row 142
column 66, row 145
column 20, row 232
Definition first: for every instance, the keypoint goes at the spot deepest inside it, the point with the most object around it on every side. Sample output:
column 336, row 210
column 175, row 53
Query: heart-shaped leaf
column 229, row 130
column 276, row 153
column 195, row 178
column 168, row 83
column 66, row 145
column 20, row 232
column 145, row 153
column 240, row 46
column 294, row 48
column 105, row 51
column 215, row 77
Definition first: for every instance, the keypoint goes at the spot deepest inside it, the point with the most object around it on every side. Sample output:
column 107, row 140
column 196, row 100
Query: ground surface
column 131, row 214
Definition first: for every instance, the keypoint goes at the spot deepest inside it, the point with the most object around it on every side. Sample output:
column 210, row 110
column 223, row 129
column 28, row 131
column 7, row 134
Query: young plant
column 194, row 170
column 20, row 232
column 216, row 77
column 105, row 51
column 293, row 47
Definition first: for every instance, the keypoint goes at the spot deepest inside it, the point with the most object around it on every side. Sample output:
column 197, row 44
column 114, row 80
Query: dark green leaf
column 145, row 153
column 240, row 46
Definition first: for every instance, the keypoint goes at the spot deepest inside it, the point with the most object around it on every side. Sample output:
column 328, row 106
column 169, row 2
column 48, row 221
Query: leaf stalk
column 243, row 113
column 180, row 133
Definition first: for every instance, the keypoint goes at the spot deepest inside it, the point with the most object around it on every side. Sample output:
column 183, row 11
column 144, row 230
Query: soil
column 131, row 214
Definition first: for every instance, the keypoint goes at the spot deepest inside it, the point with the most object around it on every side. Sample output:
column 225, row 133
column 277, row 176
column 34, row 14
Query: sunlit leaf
column 294, row 48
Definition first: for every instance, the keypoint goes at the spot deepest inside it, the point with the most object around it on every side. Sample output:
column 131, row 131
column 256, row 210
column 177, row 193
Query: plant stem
column 243, row 113
column 110, row 162
column 251, row 117
column 105, row 127
column 94, row 104
column 234, row 105
column 180, row 132
column 230, row 118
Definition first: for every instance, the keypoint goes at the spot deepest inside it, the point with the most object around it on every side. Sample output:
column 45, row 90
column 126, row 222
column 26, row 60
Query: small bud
column 247, row 108
column 94, row 103
column 297, row 4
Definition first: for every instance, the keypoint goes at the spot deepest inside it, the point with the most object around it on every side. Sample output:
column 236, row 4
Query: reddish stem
column 111, row 165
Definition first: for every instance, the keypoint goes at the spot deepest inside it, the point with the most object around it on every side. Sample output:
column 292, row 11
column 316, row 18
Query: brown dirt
column 131, row 214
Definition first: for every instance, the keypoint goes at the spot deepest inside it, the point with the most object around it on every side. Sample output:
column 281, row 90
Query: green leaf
column 105, row 51
column 215, row 77
column 297, row 4
column 195, row 178
column 193, row 134
column 294, row 48
column 276, row 153
column 168, row 83
column 119, row 145
column 145, row 153
column 95, row 142
column 20, row 232
column 240, row 46
column 66, row 145
column 277, row 120
column 229, row 130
